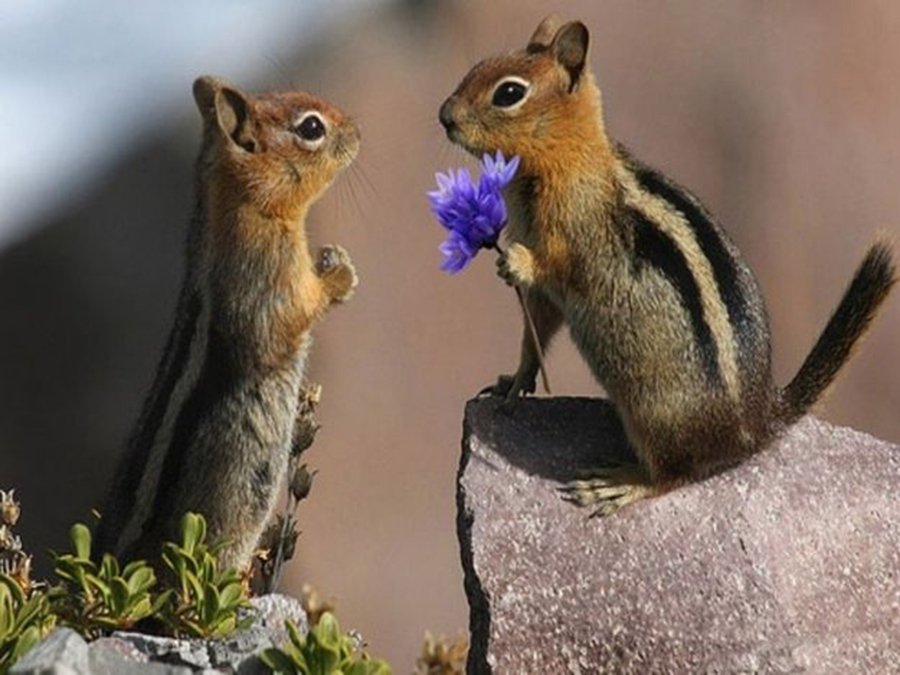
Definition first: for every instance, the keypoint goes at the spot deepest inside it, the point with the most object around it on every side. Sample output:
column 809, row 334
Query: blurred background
column 784, row 117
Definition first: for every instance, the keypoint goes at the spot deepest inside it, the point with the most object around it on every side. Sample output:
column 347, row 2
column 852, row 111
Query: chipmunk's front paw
column 511, row 387
column 516, row 265
column 337, row 273
column 608, row 489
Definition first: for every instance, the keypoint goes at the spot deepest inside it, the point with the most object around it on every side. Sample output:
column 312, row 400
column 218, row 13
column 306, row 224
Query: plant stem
column 532, row 330
column 278, row 567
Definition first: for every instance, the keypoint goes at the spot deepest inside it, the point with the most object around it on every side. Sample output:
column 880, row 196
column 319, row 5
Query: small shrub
column 24, row 620
column 96, row 599
column 323, row 651
column 14, row 562
column 314, row 605
column 442, row 657
column 279, row 541
column 205, row 600
column 197, row 600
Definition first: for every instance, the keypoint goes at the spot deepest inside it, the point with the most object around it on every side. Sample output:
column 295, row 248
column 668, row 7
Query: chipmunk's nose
column 446, row 116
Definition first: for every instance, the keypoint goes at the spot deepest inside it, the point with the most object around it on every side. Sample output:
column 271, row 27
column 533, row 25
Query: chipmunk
column 657, row 298
column 215, row 431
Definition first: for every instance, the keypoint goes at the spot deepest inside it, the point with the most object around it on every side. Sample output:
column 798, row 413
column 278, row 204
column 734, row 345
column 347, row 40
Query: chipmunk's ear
column 225, row 108
column 543, row 35
column 570, row 48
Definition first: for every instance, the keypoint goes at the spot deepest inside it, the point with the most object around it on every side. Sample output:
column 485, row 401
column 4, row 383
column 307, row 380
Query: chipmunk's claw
column 504, row 272
column 608, row 489
column 330, row 256
column 516, row 266
column 337, row 273
column 510, row 387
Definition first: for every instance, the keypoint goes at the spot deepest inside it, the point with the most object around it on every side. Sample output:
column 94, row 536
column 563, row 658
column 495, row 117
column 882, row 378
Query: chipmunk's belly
column 262, row 428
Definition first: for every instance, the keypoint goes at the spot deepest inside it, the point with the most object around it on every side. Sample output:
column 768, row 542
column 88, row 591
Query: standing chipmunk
column 215, row 432
column 657, row 298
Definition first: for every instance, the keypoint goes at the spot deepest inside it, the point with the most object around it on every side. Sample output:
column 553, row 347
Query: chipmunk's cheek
column 346, row 149
column 468, row 136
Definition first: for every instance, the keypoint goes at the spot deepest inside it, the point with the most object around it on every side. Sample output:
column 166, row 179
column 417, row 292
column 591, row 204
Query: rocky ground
column 788, row 562
column 64, row 652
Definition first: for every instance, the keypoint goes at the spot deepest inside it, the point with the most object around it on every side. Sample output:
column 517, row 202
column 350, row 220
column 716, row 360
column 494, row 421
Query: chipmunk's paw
column 516, row 265
column 337, row 273
column 511, row 387
column 608, row 489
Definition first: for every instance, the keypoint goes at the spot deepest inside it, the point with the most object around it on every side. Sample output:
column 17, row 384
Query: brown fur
column 626, row 268
column 221, row 447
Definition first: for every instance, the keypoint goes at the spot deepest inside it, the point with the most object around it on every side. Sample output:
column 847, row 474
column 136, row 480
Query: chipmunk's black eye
column 508, row 93
column 310, row 128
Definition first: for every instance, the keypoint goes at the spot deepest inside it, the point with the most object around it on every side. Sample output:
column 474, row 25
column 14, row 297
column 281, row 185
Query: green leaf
column 193, row 531
column 119, row 596
column 12, row 587
column 29, row 637
column 328, row 632
column 69, row 568
column 229, row 577
column 361, row 664
column 210, row 605
column 194, row 628
column 161, row 600
column 106, row 622
column 195, row 585
column 231, row 596
column 323, row 659
column 109, row 567
column 295, row 653
column 294, row 633
column 81, row 541
column 93, row 581
column 81, row 580
column 380, row 667
column 133, row 566
column 279, row 662
column 138, row 608
column 224, row 627
column 141, row 579
column 31, row 610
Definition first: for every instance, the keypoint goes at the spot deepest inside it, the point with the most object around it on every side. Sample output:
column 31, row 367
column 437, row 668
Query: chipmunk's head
column 279, row 151
column 533, row 102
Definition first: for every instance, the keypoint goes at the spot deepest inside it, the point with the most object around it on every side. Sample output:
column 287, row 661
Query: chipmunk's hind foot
column 608, row 489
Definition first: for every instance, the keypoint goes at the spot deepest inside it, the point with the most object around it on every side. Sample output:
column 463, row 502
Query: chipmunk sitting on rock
column 215, row 433
column 657, row 298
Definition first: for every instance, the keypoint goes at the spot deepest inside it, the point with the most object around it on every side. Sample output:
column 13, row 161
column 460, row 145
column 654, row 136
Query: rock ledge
column 788, row 562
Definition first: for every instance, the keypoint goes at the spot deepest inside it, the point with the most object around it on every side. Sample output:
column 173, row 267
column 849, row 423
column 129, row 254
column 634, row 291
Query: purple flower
column 473, row 215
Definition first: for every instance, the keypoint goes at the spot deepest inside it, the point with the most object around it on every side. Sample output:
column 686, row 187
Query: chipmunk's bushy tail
column 870, row 286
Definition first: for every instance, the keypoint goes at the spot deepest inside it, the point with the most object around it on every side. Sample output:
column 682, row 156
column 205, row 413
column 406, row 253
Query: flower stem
column 532, row 330
column 271, row 584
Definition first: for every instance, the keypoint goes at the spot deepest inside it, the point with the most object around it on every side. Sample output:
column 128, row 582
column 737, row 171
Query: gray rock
column 64, row 652
column 112, row 656
column 787, row 563
column 267, row 631
column 157, row 649
column 239, row 653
